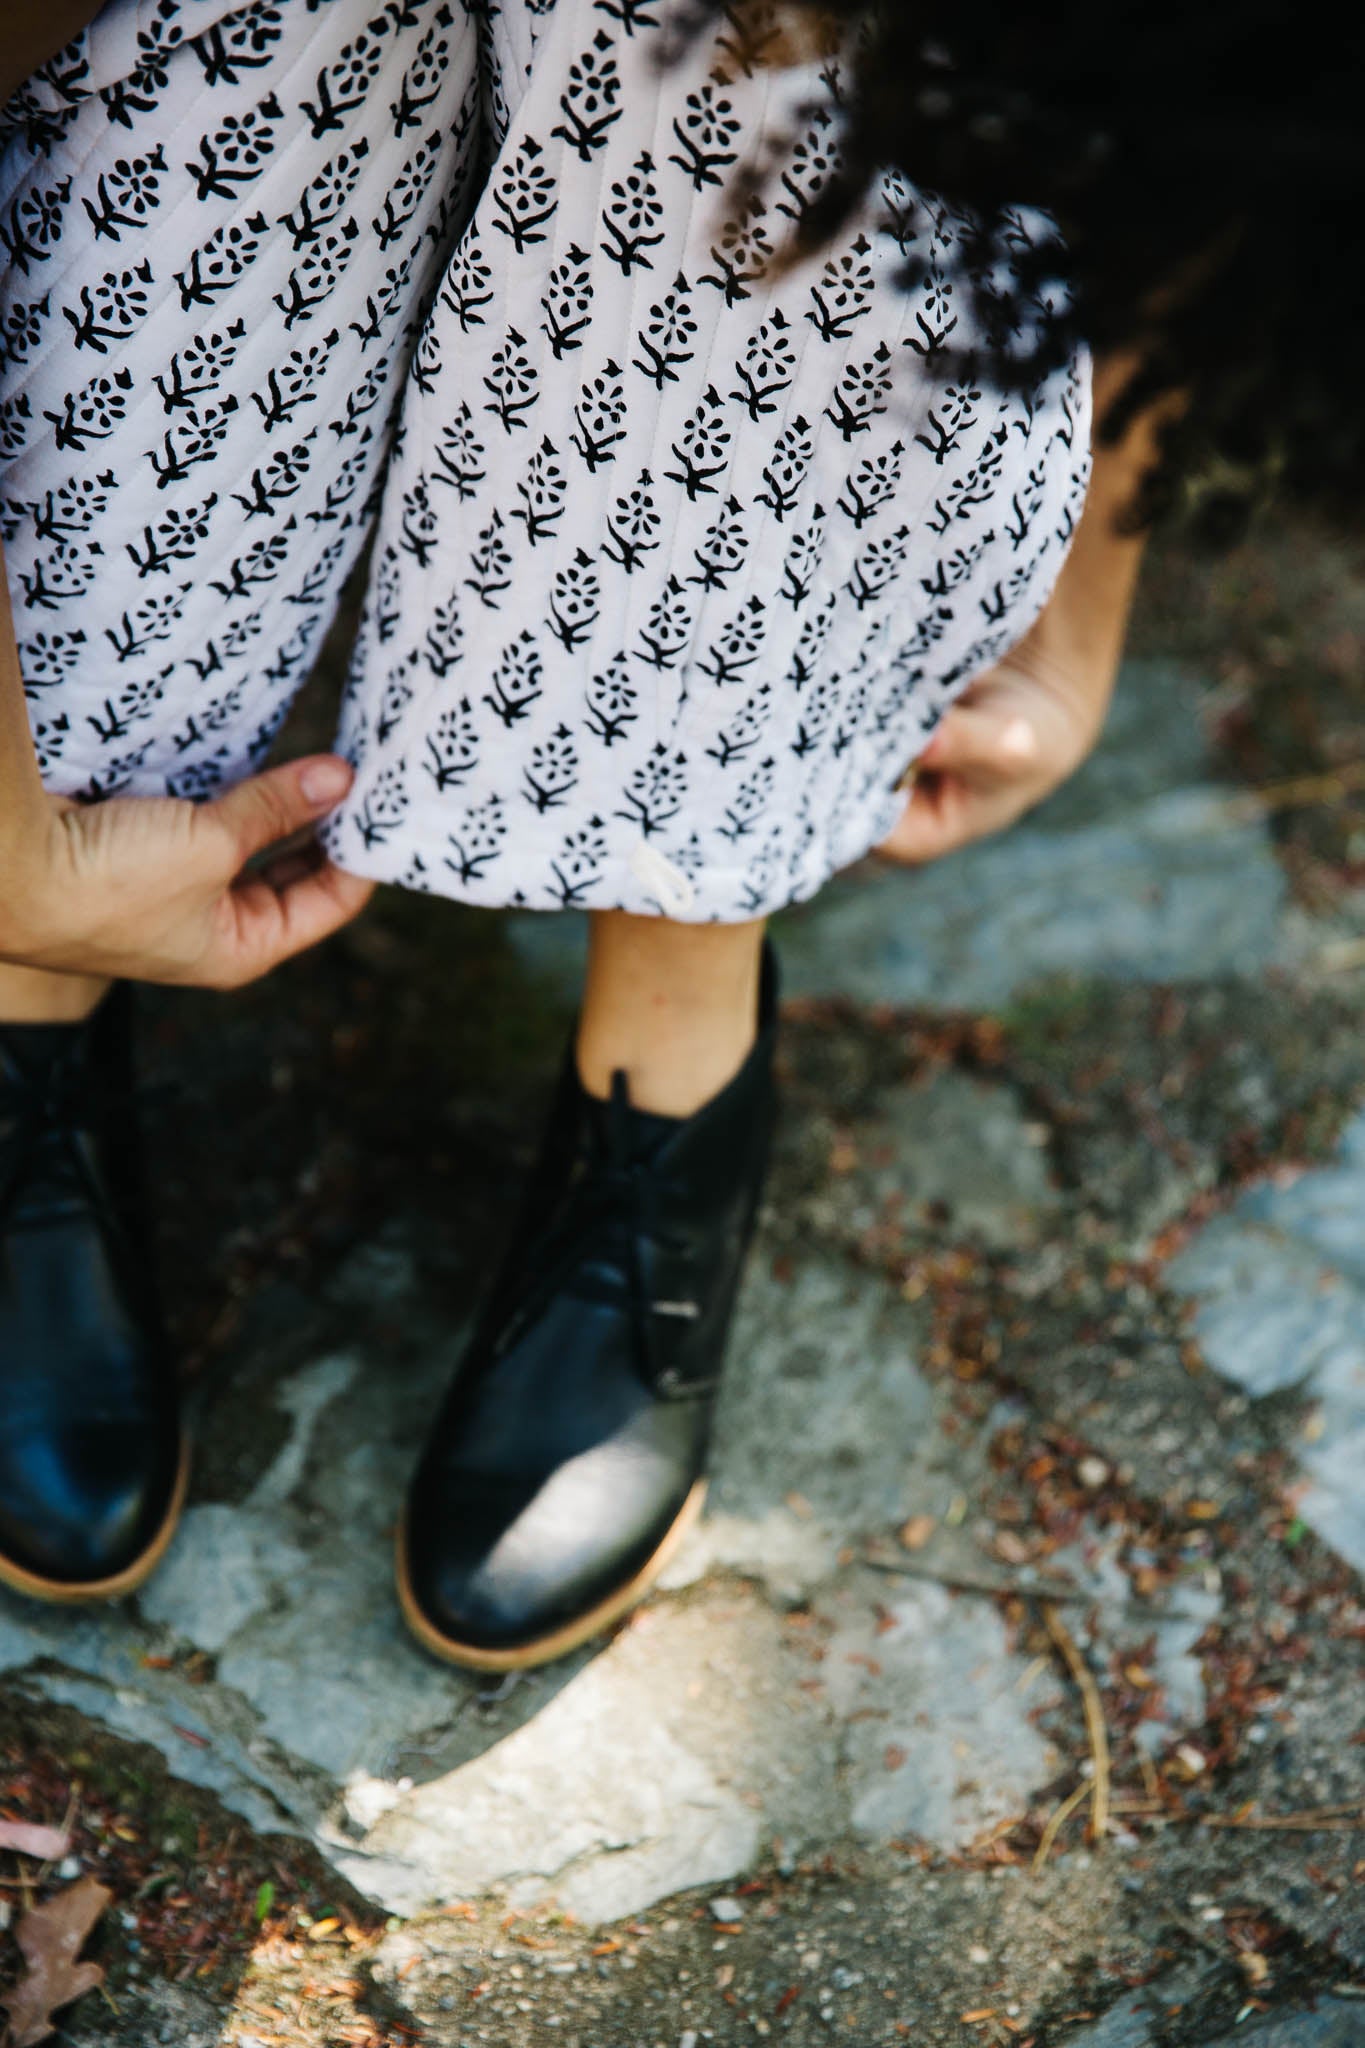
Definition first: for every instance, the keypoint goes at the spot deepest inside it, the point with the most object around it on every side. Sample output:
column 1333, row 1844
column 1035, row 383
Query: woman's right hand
column 154, row 888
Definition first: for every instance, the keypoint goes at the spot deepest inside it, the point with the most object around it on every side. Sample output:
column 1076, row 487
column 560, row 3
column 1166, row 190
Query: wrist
column 1078, row 677
column 32, row 898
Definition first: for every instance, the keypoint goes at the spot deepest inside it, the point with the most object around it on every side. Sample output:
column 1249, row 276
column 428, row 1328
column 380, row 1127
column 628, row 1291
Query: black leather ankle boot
column 92, row 1456
column 566, row 1462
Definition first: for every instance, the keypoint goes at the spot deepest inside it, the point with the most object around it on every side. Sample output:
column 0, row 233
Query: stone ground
column 1043, row 1419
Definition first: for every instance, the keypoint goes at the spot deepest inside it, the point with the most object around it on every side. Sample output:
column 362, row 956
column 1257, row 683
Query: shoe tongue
column 645, row 1132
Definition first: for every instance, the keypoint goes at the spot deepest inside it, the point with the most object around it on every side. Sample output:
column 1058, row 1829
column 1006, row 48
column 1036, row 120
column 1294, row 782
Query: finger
column 270, row 806
column 930, row 822
column 945, row 813
column 282, row 870
column 263, row 926
column 976, row 741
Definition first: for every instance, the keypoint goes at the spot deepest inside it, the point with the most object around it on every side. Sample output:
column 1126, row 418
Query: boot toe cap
column 501, row 1572
column 87, row 1506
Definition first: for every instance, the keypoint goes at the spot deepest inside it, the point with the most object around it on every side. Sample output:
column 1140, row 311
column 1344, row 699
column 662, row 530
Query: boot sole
column 561, row 1640
column 66, row 1593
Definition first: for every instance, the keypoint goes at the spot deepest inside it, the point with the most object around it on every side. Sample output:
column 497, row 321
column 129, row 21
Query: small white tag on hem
column 669, row 883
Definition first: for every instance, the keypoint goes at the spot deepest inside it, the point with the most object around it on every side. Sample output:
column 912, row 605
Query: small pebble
column 729, row 1912
column 978, row 1955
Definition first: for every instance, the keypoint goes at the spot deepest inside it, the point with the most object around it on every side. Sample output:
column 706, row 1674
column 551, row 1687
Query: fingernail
column 325, row 782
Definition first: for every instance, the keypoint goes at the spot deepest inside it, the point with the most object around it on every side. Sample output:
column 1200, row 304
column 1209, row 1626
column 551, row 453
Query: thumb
column 967, row 742
column 269, row 807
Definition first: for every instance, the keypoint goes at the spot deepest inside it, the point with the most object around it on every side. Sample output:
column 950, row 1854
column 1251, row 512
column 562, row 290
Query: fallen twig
column 1055, row 1821
column 993, row 1588
column 1340, row 955
column 1348, row 1818
column 1297, row 790
column 1095, row 1729
column 997, row 1587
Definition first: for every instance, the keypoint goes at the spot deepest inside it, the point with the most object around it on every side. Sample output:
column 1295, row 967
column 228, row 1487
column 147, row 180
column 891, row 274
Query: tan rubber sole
column 560, row 1641
column 59, row 1593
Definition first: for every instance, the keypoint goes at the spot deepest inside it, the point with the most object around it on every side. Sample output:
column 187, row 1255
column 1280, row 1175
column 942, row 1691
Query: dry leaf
column 50, row 1938
column 29, row 1838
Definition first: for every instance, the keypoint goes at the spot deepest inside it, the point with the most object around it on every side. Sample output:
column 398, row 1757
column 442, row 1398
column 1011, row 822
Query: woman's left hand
column 1012, row 737
column 1018, row 731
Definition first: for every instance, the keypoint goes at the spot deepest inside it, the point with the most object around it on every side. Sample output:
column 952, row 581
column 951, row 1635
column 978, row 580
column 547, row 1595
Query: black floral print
column 680, row 555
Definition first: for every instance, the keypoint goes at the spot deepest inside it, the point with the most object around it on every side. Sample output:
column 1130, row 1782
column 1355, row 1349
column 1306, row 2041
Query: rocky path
column 1044, row 1416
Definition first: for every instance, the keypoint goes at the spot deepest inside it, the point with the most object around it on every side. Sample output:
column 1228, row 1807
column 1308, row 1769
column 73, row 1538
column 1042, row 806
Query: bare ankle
column 673, row 1005
column 30, row 995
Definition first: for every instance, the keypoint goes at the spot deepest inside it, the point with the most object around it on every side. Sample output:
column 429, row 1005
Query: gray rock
column 231, row 1550
column 594, row 1803
column 201, row 1742
column 825, row 1426
column 1271, row 1314
column 1331, row 2023
column 1280, row 1287
column 937, row 1743
column 964, row 1146
column 1129, row 2024
column 1173, row 889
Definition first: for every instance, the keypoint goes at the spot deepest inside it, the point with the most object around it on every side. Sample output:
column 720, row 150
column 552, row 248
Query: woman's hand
column 1012, row 737
column 1018, row 731
column 153, row 888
